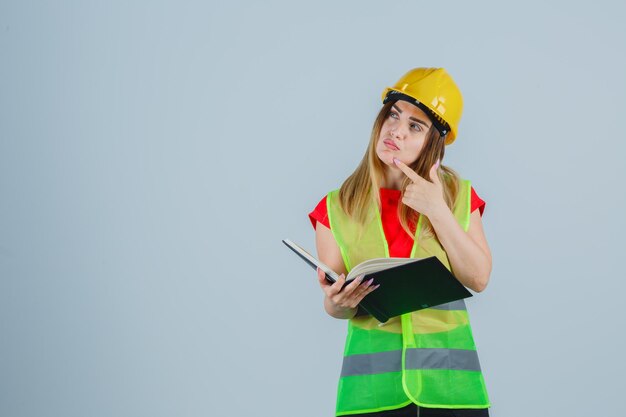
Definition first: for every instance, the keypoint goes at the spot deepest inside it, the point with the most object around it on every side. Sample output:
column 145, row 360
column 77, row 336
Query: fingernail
column 396, row 160
column 376, row 286
column 437, row 164
column 360, row 278
column 370, row 281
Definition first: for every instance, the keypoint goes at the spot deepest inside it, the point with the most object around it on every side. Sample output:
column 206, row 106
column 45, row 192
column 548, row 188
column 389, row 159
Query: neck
column 393, row 178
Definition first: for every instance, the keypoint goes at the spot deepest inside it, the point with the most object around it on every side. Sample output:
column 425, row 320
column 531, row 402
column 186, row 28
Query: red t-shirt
column 399, row 242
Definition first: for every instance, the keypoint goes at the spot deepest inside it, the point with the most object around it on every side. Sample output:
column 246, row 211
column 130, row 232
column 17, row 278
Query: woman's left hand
column 423, row 196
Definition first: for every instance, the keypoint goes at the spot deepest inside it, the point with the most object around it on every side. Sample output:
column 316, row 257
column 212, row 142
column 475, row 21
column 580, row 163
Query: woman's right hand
column 349, row 297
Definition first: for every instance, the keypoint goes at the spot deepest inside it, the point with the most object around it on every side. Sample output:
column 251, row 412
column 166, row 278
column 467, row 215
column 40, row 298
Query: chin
column 387, row 158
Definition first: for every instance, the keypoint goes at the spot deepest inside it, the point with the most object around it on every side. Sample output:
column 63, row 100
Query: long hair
column 360, row 189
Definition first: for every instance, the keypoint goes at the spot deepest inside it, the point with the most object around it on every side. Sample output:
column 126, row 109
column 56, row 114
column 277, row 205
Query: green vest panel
column 427, row 357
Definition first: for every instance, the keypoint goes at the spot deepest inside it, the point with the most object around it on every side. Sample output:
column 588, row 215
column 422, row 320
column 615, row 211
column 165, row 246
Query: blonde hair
column 357, row 191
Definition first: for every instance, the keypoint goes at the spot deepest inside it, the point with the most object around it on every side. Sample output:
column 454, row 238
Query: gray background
column 153, row 155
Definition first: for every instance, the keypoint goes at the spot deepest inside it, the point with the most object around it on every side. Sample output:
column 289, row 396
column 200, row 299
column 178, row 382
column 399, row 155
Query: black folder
column 413, row 286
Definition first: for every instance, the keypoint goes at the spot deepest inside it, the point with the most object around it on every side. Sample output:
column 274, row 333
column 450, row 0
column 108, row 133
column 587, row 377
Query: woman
column 423, row 363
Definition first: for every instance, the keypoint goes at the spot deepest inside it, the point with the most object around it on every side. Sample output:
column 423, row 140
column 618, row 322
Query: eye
column 393, row 114
column 416, row 127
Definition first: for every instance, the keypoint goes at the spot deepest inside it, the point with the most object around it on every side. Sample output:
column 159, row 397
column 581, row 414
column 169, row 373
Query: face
column 403, row 134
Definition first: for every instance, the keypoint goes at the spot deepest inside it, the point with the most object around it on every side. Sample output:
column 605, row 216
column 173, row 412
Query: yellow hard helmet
column 433, row 91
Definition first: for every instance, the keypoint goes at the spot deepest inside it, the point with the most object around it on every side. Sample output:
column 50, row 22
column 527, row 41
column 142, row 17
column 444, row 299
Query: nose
column 396, row 132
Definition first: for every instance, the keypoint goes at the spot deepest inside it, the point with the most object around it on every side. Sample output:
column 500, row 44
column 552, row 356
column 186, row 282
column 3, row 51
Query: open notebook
column 406, row 284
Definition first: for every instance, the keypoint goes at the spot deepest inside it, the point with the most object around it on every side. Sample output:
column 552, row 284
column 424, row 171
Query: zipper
column 418, row 411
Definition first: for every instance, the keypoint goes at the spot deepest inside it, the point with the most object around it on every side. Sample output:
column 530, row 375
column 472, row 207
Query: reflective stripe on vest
column 453, row 305
column 391, row 361
column 427, row 357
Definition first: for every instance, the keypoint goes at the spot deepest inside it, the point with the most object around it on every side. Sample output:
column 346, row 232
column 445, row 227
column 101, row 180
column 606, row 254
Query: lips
column 391, row 144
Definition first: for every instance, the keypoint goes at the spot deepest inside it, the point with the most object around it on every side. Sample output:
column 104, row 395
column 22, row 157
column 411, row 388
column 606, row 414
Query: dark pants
column 412, row 410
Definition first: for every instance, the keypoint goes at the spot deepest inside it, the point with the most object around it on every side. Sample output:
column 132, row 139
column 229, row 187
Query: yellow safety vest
column 427, row 357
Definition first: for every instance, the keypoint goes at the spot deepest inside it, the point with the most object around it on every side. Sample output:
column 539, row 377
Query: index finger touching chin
column 407, row 171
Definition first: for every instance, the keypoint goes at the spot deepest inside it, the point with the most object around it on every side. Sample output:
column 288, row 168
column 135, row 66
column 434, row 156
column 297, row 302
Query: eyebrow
column 411, row 118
